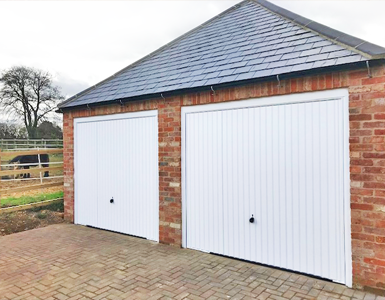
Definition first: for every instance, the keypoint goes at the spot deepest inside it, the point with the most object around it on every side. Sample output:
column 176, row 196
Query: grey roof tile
column 238, row 64
column 186, row 79
column 272, row 58
column 317, row 57
column 213, row 81
column 185, row 85
column 311, row 52
column 298, row 42
column 315, row 39
column 348, row 59
column 198, row 77
column 302, row 67
column 247, row 41
column 263, row 73
column 209, row 70
column 267, row 53
column 277, row 64
column 222, row 62
column 228, row 78
column 325, row 63
column 291, row 55
column 303, row 47
column 212, row 75
column 198, row 83
column 255, row 61
column 331, row 48
column 197, row 72
column 241, row 70
column 248, row 52
column 322, row 43
column 234, row 54
column 339, row 53
column 236, row 59
column 259, row 67
column 226, row 72
column 223, row 67
column 281, row 70
column 251, row 57
column 245, row 76
column 285, row 50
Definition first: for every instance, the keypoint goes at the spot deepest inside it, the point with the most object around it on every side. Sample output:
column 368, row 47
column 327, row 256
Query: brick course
column 367, row 154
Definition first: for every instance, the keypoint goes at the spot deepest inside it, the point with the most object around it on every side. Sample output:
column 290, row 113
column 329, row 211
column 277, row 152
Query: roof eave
column 223, row 85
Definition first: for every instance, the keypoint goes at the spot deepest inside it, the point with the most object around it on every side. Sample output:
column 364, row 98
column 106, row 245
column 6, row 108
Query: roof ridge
column 358, row 45
column 151, row 54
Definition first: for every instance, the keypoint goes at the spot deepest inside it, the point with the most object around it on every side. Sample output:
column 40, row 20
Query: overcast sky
column 83, row 42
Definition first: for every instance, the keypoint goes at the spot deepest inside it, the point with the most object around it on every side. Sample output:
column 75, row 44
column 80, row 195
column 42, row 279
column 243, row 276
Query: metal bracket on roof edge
column 213, row 91
column 279, row 81
column 368, row 67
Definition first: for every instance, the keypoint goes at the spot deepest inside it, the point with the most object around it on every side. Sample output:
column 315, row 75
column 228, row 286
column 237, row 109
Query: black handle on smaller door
column 251, row 220
column 112, row 200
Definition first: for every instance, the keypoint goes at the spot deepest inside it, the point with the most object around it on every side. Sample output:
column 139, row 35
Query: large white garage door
column 281, row 161
column 116, row 173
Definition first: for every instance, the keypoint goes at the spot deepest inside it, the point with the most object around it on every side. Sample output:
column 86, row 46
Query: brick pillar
column 170, row 197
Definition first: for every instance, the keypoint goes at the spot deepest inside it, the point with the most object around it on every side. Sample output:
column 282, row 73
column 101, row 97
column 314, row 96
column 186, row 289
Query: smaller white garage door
column 116, row 173
column 267, row 180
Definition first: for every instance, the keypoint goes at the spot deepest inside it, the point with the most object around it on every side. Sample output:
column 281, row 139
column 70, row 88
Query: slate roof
column 251, row 40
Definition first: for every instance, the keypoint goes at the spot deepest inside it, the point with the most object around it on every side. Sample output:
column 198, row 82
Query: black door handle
column 251, row 220
column 112, row 200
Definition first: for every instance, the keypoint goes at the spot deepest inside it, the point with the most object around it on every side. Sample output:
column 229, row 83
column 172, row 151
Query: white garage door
column 116, row 173
column 282, row 161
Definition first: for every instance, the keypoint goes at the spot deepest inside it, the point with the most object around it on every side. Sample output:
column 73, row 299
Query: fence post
column 38, row 157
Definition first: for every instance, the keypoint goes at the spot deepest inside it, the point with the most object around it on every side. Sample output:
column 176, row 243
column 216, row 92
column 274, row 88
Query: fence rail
column 21, row 185
column 10, row 144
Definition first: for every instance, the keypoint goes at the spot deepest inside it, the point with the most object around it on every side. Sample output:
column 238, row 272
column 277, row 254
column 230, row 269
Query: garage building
column 258, row 135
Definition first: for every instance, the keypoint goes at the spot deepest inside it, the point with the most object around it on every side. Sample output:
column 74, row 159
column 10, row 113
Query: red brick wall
column 367, row 153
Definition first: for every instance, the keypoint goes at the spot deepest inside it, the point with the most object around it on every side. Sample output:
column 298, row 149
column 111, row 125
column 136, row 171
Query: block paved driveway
column 75, row 262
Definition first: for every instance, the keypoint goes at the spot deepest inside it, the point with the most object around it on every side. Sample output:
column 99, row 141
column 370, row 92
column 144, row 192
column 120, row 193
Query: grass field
column 12, row 201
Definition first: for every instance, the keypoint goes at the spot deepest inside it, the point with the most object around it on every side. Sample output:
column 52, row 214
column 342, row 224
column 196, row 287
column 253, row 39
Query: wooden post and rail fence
column 37, row 168
column 19, row 144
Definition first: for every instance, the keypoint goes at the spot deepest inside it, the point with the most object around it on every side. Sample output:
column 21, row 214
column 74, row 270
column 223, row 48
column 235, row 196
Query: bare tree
column 30, row 94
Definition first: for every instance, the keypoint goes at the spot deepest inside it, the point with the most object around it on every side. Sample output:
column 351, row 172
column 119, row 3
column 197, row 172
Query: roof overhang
column 312, row 72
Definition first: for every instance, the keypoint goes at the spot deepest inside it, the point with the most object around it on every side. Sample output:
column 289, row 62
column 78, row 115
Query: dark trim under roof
column 254, row 39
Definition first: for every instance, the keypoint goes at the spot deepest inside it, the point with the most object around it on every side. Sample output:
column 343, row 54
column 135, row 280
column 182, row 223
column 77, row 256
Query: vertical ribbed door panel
column 124, row 185
column 282, row 165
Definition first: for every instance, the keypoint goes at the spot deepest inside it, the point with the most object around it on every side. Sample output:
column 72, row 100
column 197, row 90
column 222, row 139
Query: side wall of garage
column 367, row 156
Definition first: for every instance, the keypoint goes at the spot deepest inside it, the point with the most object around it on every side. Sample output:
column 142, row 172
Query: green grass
column 12, row 201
